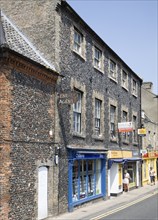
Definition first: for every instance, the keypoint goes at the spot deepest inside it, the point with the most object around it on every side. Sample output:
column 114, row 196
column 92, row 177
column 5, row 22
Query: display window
column 86, row 179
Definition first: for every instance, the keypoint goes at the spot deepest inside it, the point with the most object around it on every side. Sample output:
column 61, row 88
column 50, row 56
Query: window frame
column 77, row 113
column 113, row 73
column 134, row 87
column 125, row 119
column 124, row 82
column 98, row 105
column 113, row 122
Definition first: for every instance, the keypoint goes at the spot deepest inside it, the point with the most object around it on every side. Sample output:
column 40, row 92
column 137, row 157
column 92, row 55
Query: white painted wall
column 42, row 192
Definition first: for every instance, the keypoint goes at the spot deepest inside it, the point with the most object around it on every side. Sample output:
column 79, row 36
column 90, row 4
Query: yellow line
column 123, row 207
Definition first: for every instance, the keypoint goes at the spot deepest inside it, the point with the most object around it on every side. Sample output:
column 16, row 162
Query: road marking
column 123, row 207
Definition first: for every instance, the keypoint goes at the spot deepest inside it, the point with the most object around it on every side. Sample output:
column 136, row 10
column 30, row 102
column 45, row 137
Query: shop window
column 86, row 179
column 132, row 172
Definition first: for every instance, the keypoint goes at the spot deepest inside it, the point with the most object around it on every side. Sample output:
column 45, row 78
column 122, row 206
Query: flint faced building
column 98, row 91
column 27, row 114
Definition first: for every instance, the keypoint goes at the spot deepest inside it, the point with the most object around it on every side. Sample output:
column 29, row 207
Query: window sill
column 125, row 88
column 113, row 79
column 79, row 55
column 99, row 70
column 99, row 137
column 114, row 140
column 135, row 143
column 79, row 135
column 134, row 95
column 125, row 142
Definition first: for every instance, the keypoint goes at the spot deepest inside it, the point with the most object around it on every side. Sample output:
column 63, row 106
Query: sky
column 129, row 27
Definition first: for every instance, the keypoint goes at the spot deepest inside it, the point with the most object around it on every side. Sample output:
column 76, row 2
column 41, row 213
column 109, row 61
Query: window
column 97, row 116
column 78, row 41
column 97, row 58
column 86, row 179
column 112, row 121
column 124, row 79
column 124, row 119
column 134, row 87
column 113, row 69
column 77, row 113
column 134, row 129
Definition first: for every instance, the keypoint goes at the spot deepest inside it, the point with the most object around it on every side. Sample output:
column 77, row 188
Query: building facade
column 27, row 115
column 150, row 124
column 98, row 91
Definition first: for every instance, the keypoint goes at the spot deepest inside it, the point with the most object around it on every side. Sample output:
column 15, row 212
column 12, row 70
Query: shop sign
column 142, row 132
column 143, row 152
column 119, row 154
column 135, row 153
column 87, row 156
column 125, row 126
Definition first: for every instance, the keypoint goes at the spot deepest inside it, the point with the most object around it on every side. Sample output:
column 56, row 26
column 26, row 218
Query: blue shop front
column 87, row 176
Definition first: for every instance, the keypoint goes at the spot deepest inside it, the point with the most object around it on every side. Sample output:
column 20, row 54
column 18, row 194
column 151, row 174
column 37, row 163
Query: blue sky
column 129, row 27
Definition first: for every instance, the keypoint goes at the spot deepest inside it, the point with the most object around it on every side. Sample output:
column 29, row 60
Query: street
column 146, row 209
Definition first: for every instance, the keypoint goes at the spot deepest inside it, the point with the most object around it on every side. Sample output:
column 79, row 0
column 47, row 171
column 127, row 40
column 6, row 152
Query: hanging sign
column 142, row 132
column 125, row 126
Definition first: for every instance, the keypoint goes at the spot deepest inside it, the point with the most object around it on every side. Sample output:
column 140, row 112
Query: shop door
column 42, row 192
column 132, row 172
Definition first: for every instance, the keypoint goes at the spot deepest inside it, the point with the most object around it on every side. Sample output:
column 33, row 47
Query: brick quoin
column 5, row 128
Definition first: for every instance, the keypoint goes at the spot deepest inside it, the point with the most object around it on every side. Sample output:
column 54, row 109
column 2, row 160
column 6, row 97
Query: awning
column 122, row 160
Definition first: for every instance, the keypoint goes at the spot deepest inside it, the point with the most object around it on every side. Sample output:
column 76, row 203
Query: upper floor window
column 134, row 87
column 113, row 121
column 97, row 116
column 124, row 79
column 78, row 41
column 134, row 128
column 97, row 58
column 77, row 113
column 113, row 73
column 125, row 119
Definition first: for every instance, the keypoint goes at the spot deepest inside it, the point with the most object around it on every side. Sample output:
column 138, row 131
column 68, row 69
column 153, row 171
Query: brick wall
column 5, row 128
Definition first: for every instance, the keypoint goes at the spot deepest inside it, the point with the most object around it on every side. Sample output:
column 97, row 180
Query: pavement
column 91, row 211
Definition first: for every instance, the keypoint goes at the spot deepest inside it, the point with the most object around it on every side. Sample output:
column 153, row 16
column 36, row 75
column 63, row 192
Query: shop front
column 118, row 162
column 87, row 176
column 150, row 159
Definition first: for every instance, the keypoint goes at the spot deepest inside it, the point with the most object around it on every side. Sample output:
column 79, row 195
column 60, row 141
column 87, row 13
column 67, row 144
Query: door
column 42, row 192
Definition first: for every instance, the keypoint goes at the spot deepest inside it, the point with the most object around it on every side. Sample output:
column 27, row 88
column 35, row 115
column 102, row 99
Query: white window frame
column 134, row 133
column 124, row 79
column 98, row 104
column 77, row 107
column 78, row 41
column 113, row 71
column 134, row 87
column 125, row 119
column 97, row 58
column 113, row 122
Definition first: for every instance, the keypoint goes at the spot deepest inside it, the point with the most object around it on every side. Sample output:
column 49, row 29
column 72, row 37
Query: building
column 150, row 123
column 98, row 91
column 27, row 115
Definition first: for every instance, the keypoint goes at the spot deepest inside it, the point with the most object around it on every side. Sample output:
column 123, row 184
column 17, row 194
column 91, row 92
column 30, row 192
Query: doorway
column 42, row 192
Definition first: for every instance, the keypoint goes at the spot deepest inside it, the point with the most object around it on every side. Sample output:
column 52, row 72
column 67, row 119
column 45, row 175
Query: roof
column 11, row 37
